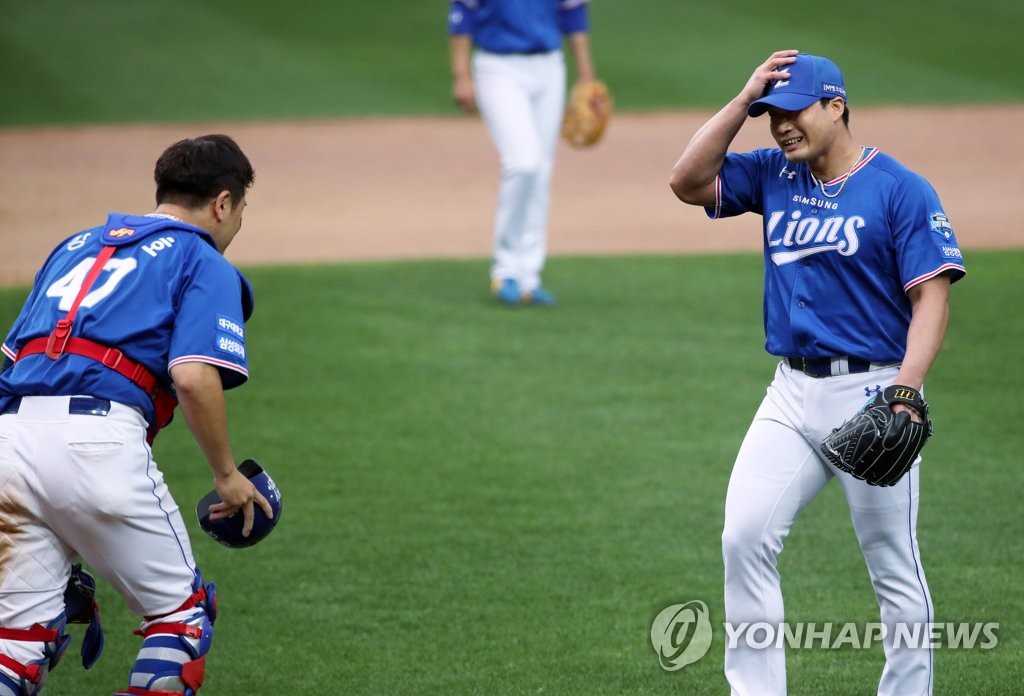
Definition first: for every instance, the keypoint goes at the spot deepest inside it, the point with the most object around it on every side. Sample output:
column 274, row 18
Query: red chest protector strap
column 60, row 342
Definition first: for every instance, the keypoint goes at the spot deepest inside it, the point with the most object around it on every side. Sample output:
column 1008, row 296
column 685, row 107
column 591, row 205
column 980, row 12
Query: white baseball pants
column 84, row 485
column 777, row 473
column 522, row 100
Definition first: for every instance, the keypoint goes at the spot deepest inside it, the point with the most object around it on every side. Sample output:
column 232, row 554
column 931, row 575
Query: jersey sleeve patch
column 230, row 346
column 939, row 224
column 229, row 337
column 226, row 324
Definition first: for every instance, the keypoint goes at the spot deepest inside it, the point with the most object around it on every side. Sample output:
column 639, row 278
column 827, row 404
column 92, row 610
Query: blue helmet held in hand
column 228, row 530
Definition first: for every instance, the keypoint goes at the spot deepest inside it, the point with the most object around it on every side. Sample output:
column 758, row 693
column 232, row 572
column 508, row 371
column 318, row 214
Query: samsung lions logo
column 800, row 238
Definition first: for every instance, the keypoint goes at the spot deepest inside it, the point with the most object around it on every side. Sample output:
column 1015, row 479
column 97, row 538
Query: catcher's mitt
column 81, row 608
column 587, row 113
column 877, row 445
column 80, row 595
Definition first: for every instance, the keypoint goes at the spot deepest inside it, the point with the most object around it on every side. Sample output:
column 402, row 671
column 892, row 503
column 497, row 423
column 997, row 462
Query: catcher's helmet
column 228, row 530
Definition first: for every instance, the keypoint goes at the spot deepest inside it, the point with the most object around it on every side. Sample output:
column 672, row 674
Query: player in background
column 124, row 321
column 517, row 78
column 858, row 260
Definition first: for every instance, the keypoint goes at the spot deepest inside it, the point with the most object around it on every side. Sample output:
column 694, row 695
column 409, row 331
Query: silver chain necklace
column 821, row 184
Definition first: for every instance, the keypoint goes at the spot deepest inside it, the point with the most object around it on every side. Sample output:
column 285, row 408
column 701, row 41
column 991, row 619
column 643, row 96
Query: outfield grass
column 490, row 501
column 193, row 60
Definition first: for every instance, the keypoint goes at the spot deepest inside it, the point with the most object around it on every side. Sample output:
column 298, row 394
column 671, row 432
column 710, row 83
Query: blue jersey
column 517, row 26
column 167, row 296
column 837, row 269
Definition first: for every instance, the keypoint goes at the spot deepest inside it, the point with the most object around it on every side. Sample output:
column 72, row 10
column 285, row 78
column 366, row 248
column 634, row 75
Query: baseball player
column 858, row 260
column 517, row 79
column 124, row 321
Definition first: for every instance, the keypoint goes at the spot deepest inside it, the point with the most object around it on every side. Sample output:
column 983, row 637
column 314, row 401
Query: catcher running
column 859, row 256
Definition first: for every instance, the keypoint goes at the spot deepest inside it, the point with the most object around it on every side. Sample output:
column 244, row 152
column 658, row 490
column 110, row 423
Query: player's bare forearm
column 580, row 45
column 460, row 47
column 693, row 176
column 201, row 397
column 929, row 316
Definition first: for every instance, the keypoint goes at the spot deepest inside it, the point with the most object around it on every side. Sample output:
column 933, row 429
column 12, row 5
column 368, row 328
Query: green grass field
column 191, row 60
column 490, row 501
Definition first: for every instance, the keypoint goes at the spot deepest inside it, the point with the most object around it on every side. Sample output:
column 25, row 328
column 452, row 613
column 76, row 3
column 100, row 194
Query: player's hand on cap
column 772, row 69
column 238, row 493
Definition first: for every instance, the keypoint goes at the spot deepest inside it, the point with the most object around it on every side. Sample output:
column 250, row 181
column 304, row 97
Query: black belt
column 527, row 52
column 823, row 367
column 77, row 406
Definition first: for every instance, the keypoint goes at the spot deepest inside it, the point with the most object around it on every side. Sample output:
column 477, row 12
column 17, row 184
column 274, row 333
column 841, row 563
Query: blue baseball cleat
column 539, row 297
column 507, row 291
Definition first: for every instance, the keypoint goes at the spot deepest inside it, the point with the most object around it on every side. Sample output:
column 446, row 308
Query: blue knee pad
column 171, row 660
column 29, row 678
column 10, row 686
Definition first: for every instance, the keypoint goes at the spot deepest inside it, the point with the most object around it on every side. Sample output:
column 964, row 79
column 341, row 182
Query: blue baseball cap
column 228, row 530
column 810, row 78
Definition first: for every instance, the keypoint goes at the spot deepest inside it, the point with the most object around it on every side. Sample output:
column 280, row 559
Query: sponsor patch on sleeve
column 230, row 336
column 229, row 345
column 230, row 326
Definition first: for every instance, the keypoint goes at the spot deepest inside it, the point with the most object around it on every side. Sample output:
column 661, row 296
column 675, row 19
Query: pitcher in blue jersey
column 516, row 77
column 124, row 322
column 859, row 256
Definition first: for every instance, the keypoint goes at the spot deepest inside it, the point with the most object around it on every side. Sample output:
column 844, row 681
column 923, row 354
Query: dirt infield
column 416, row 188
